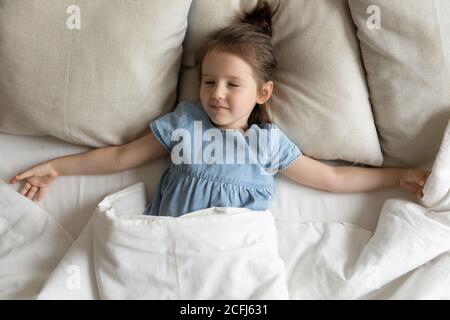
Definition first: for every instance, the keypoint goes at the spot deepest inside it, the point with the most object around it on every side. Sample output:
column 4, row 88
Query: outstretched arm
column 138, row 152
column 97, row 161
column 315, row 174
column 111, row 159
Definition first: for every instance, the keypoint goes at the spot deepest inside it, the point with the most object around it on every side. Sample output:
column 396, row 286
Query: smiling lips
column 217, row 107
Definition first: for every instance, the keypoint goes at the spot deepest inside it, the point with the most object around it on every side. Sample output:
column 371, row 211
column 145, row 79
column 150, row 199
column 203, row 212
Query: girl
column 236, row 66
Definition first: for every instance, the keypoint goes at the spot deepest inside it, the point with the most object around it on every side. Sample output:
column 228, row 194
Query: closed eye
column 230, row 84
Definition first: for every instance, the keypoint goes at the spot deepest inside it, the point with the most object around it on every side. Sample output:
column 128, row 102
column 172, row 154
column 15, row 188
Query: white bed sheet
column 71, row 200
column 292, row 206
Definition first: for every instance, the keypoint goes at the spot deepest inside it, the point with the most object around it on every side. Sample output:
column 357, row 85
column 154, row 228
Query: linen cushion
column 97, row 85
column 407, row 61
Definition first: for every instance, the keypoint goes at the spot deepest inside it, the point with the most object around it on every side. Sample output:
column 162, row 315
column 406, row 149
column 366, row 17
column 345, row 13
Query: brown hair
column 250, row 38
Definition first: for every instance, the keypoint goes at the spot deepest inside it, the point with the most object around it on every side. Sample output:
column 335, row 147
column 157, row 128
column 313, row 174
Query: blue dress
column 213, row 167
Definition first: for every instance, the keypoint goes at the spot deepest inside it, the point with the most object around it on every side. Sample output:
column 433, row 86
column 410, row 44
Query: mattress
column 71, row 200
column 333, row 246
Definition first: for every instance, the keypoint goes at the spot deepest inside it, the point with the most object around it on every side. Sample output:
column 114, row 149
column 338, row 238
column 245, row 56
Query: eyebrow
column 231, row 77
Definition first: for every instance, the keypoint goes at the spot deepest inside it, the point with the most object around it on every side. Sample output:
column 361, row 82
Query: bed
column 302, row 217
column 310, row 244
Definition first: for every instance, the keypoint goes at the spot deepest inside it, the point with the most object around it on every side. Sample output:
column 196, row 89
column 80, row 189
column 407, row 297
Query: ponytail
column 261, row 17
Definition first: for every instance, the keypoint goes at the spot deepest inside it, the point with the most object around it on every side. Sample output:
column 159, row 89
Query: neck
column 243, row 127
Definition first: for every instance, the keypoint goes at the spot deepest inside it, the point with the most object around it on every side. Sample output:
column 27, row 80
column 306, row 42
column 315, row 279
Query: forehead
column 224, row 64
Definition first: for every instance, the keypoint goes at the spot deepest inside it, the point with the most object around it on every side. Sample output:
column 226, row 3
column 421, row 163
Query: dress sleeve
column 163, row 127
column 282, row 152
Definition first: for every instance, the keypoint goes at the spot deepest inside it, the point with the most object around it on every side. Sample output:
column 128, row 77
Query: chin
column 218, row 121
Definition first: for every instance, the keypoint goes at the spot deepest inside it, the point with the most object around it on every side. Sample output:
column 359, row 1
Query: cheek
column 202, row 93
column 247, row 97
column 203, row 90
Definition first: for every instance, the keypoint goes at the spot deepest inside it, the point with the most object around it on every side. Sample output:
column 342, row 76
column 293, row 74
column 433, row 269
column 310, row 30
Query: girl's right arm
column 97, row 161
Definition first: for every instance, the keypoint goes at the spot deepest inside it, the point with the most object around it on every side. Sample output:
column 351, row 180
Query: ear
column 265, row 93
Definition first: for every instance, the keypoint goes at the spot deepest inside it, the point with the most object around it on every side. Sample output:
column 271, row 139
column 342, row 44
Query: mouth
column 217, row 107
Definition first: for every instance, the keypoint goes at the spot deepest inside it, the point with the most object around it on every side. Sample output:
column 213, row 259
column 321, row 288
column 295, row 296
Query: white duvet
column 220, row 253
column 228, row 253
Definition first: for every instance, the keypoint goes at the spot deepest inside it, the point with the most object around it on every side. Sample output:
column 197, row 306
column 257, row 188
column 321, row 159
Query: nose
column 218, row 92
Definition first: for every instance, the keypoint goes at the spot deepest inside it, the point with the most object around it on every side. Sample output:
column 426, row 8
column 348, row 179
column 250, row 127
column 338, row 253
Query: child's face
column 229, row 90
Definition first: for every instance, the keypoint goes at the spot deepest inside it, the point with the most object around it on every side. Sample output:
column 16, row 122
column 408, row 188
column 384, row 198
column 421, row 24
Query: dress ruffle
column 181, row 192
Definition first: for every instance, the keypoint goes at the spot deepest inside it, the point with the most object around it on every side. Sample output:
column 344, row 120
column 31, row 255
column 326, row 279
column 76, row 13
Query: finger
column 419, row 194
column 41, row 193
column 424, row 175
column 37, row 182
column 23, row 175
column 418, row 178
column 32, row 192
column 25, row 188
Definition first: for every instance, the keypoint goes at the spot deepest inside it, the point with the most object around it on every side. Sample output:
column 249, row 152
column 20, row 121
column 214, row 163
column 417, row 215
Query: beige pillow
column 97, row 85
column 321, row 99
column 408, row 69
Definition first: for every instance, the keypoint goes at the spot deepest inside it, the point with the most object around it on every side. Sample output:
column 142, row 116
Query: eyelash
column 231, row 84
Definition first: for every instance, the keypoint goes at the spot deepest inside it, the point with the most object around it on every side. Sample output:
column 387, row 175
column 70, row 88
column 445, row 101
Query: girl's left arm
column 316, row 174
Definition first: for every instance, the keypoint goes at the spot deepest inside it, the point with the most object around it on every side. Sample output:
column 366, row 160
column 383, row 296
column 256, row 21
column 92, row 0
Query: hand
column 38, row 180
column 414, row 180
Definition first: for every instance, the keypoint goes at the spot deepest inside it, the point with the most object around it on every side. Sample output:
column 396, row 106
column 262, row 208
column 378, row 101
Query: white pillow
column 437, row 189
column 321, row 99
column 407, row 62
column 97, row 85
